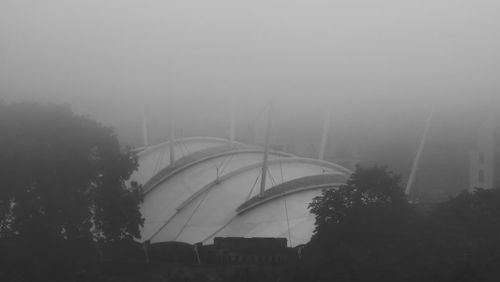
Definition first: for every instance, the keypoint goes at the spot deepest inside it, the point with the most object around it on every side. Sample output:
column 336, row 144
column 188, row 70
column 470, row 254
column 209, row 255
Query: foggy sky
column 366, row 60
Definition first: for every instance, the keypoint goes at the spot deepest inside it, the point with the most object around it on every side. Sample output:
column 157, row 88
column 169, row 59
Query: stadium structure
column 199, row 188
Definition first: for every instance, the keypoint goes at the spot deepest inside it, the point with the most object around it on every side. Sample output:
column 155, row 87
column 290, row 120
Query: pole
column 197, row 253
column 418, row 156
column 145, row 246
column 266, row 152
column 326, row 125
column 171, row 140
column 144, row 130
column 232, row 122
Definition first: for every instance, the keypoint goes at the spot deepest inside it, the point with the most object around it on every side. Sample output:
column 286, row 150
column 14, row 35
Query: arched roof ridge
column 144, row 150
column 293, row 186
column 239, row 171
column 202, row 156
column 265, row 199
column 244, row 169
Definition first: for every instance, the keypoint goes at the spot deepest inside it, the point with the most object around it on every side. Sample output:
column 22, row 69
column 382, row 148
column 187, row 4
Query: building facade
column 484, row 158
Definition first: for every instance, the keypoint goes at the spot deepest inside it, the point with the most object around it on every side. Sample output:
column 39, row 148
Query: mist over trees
column 367, row 230
column 64, row 196
column 63, row 182
column 366, row 227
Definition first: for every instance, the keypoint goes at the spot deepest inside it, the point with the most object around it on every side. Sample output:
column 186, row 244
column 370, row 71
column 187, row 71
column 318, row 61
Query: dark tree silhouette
column 463, row 236
column 62, row 178
column 368, row 188
column 365, row 228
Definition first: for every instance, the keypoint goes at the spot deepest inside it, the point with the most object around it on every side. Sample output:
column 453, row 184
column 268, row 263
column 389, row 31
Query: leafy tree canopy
column 464, row 232
column 365, row 227
column 366, row 230
column 372, row 187
column 62, row 177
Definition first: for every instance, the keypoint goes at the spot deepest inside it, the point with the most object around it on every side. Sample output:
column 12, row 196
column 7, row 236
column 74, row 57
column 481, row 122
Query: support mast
column 144, row 130
column 266, row 152
column 171, row 139
column 326, row 126
column 417, row 157
column 232, row 122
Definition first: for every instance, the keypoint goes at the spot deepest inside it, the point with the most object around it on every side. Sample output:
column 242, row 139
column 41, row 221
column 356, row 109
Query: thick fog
column 378, row 66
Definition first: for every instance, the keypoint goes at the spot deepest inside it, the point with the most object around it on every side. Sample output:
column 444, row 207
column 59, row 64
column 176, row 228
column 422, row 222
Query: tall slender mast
column 417, row 157
column 326, row 125
column 266, row 152
column 144, row 130
column 232, row 122
column 171, row 139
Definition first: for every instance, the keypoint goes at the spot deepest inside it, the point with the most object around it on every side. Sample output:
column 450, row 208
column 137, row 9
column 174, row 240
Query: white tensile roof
column 212, row 189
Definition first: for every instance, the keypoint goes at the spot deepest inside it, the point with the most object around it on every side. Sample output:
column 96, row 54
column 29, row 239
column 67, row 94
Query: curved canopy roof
column 214, row 191
column 154, row 158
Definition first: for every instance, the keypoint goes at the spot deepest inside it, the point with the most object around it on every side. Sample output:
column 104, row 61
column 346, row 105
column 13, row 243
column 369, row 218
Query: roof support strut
column 232, row 121
column 266, row 152
column 326, row 126
column 171, row 140
column 144, row 130
column 417, row 157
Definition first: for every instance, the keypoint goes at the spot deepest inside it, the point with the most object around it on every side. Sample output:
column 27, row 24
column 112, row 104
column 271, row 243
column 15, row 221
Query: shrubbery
column 62, row 189
column 368, row 231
